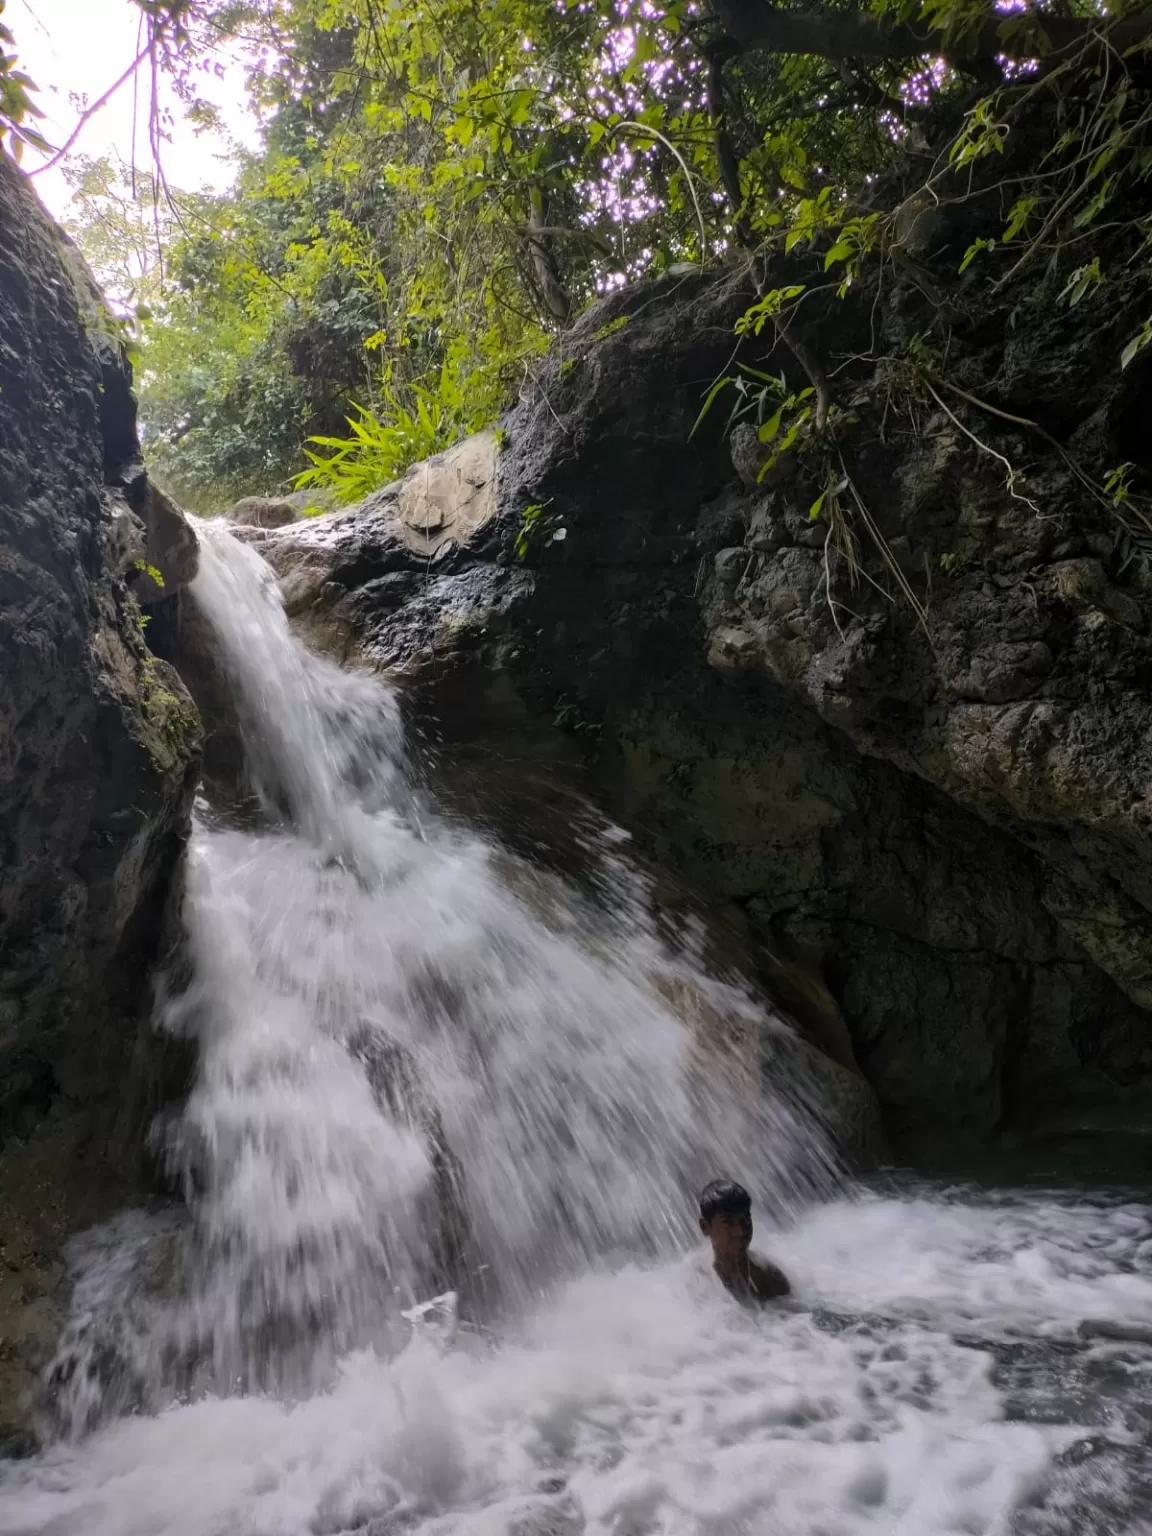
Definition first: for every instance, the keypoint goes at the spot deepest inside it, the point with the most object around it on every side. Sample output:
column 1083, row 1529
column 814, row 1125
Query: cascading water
column 358, row 931
column 423, row 1062
column 409, row 1076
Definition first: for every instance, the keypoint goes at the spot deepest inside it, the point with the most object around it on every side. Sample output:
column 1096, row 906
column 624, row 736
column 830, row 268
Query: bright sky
column 74, row 50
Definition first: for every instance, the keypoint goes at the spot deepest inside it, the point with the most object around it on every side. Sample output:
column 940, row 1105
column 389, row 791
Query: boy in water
column 726, row 1221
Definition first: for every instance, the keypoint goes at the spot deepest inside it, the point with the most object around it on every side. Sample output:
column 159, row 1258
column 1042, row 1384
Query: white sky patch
column 75, row 49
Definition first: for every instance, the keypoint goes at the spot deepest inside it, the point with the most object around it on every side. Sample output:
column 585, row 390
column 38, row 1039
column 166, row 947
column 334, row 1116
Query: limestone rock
column 449, row 498
column 414, row 546
column 262, row 512
column 749, row 454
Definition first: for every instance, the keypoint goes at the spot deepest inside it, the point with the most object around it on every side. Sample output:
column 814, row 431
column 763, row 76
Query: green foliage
column 612, row 328
column 982, row 134
column 853, row 245
column 377, row 451
column 17, row 109
column 124, row 224
column 1082, row 281
column 754, row 395
column 979, row 244
column 784, row 427
column 537, row 527
column 834, row 488
column 407, row 424
column 149, row 570
column 1134, row 347
column 782, row 416
column 771, row 307
column 1118, row 484
column 1133, row 514
column 441, row 183
column 442, row 187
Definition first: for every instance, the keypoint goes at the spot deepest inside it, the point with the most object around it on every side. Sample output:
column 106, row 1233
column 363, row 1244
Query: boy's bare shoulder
column 767, row 1280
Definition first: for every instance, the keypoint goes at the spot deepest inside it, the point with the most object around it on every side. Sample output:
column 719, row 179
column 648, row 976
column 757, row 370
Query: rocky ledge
column 902, row 746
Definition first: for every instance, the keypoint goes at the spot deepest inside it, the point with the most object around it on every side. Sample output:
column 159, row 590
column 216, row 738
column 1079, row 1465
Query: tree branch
column 552, row 291
column 726, row 156
column 566, row 232
column 828, row 34
column 90, row 112
column 730, row 177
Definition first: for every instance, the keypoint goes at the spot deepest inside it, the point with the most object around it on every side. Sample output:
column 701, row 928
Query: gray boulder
column 262, row 512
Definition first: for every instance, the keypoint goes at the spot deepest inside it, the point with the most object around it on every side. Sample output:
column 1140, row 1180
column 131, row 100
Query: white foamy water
column 423, row 1062
column 367, row 987
column 645, row 1401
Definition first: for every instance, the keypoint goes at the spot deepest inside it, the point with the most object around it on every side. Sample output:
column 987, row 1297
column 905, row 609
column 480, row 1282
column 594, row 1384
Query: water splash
column 646, row 1403
column 392, row 1019
column 414, row 1071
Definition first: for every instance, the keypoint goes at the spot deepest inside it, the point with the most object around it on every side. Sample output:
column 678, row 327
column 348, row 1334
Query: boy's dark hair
column 724, row 1197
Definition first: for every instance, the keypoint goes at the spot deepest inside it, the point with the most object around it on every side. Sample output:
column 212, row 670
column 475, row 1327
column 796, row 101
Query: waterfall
column 424, row 1062
column 414, row 1072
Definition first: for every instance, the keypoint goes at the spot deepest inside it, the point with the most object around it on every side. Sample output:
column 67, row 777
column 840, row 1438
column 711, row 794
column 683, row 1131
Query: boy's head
column 726, row 1218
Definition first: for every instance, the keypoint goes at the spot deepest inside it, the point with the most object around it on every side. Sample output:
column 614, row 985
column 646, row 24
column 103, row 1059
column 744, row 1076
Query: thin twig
column 828, row 598
column 888, row 557
column 90, row 112
column 1011, row 474
column 1025, row 421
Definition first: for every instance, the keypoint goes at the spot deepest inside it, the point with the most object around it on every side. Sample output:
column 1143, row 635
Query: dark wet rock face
column 935, row 834
column 98, row 745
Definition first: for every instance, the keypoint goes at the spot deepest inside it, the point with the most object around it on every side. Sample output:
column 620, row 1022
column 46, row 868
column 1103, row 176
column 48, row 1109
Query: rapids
column 422, row 1062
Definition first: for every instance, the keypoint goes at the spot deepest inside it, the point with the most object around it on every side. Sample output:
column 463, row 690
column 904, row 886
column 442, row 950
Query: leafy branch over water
column 443, row 188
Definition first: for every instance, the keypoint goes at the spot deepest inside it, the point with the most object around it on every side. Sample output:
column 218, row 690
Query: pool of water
column 952, row 1361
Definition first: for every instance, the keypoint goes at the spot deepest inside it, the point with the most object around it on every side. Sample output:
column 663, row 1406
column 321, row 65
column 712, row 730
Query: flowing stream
column 425, row 1064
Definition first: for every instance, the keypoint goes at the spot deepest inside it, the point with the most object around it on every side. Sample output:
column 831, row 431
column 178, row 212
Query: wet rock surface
column 262, row 512
column 939, row 823
column 98, row 747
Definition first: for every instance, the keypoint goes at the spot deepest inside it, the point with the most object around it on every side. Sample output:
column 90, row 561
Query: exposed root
column 1011, row 473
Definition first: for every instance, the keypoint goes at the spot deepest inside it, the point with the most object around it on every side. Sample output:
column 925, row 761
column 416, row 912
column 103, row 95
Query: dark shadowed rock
column 395, row 581
column 172, row 553
column 98, row 746
column 939, row 843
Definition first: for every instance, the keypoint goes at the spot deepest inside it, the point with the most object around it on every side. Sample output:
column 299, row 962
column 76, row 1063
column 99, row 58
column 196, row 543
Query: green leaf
column 1083, row 279
column 1091, row 211
column 1018, row 216
column 775, row 380
column 1136, row 345
column 841, row 251
column 974, row 250
column 708, row 400
column 770, row 428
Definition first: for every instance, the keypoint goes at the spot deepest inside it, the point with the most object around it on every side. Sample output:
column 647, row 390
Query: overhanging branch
column 828, row 34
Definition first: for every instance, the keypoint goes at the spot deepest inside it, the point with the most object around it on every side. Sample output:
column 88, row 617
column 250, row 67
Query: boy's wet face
column 730, row 1234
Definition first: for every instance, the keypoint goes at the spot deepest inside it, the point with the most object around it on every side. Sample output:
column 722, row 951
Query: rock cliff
column 98, row 753
column 904, row 743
